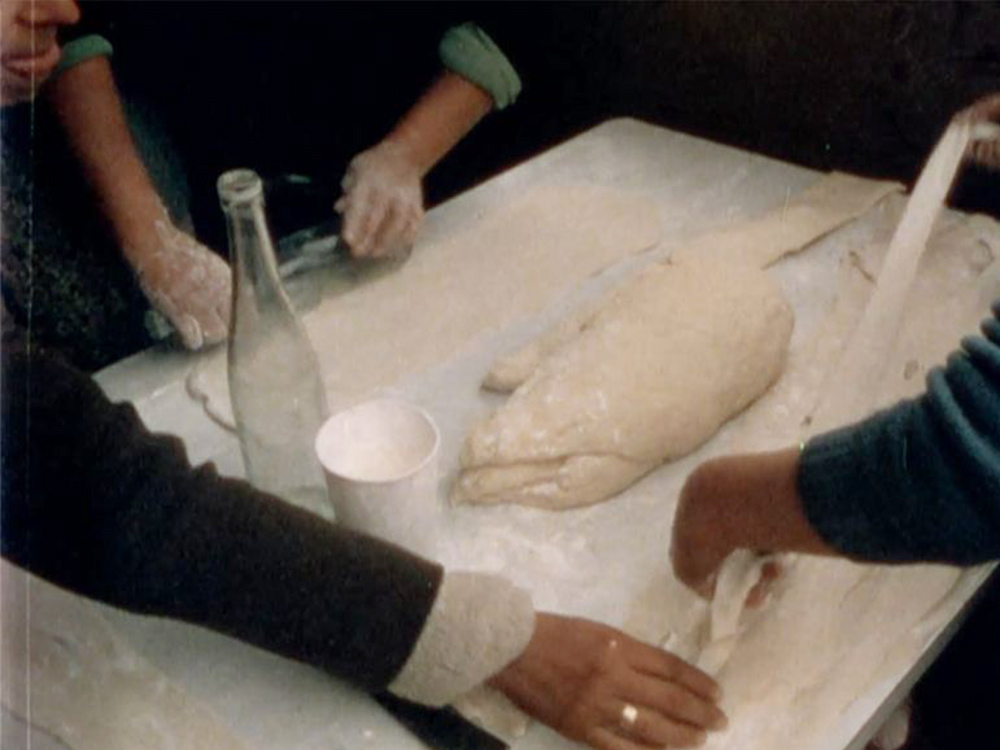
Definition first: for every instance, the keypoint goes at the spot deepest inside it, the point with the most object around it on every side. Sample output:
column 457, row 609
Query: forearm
column 477, row 78
column 96, row 504
column 87, row 104
column 919, row 481
column 746, row 501
column 754, row 504
column 442, row 116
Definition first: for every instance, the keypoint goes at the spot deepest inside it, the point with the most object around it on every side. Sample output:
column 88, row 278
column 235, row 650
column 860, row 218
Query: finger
column 184, row 324
column 363, row 217
column 371, row 224
column 349, row 179
column 415, row 219
column 390, row 236
column 761, row 590
column 705, row 587
column 225, row 311
column 771, row 570
column 652, row 728
column 691, row 570
column 206, row 305
column 190, row 332
column 673, row 702
column 214, row 328
column 655, row 662
column 356, row 207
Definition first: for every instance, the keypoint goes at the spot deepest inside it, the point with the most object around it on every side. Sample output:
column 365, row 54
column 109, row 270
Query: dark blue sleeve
column 919, row 481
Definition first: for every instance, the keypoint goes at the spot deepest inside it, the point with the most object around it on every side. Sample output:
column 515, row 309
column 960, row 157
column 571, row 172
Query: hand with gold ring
column 594, row 684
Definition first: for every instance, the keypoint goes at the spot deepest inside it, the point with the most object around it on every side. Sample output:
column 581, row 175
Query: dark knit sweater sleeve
column 919, row 481
column 95, row 503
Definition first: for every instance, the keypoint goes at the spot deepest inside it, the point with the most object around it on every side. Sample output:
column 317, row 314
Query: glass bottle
column 275, row 385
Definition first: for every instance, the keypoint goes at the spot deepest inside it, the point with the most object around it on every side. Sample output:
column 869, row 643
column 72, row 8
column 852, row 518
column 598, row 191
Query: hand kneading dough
column 652, row 375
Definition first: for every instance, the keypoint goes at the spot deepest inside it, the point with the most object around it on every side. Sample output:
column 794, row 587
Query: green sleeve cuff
column 84, row 48
column 467, row 51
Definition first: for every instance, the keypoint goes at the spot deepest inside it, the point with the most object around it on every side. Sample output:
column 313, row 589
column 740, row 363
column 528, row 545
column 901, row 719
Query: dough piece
column 657, row 371
column 68, row 673
column 848, row 399
column 835, row 637
column 832, row 202
column 510, row 370
column 702, row 633
column 454, row 288
column 739, row 574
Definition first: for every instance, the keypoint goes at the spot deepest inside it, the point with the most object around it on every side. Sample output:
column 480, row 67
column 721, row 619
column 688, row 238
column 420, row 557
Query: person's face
column 28, row 48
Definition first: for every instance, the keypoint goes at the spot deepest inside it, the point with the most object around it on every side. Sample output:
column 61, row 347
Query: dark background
column 301, row 87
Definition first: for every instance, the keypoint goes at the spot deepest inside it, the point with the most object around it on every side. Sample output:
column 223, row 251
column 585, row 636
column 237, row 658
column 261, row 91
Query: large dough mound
column 652, row 375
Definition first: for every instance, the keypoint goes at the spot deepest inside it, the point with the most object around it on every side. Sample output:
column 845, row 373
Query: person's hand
column 382, row 203
column 740, row 502
column 701, row 539
column 594, row 684
column 188, row 283
column 984, row 148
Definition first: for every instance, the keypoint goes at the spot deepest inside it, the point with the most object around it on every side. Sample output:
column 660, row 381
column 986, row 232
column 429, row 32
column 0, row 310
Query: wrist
column 478, row 625
column 760, row 505
column 404, row 146
column 707, row 510
column 140, row 230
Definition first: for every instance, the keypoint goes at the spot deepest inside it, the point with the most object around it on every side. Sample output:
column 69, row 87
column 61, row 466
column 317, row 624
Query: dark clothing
column 919, row 481
column 95, row 503
column 63, row 278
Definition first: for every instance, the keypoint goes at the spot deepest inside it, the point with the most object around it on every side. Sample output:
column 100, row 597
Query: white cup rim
column 431, row 453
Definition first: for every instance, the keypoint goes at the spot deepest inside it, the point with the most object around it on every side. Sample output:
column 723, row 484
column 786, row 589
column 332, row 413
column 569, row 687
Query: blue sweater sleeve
column 919, row 481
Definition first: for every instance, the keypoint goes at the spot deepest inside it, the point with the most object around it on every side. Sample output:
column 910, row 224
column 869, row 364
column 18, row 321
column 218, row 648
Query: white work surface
column 595, row 562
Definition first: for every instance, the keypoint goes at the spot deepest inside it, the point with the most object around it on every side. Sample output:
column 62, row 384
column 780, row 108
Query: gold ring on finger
column 629, row 715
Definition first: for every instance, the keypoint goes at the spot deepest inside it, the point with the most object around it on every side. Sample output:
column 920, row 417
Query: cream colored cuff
column 478, row 625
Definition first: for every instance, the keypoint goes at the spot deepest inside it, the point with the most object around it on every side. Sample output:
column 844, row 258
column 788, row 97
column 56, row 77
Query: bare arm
column 186, row 281
column 439, row 119
column 740, row 502
column 86, row 101
column 383, row 203
column 914, row 482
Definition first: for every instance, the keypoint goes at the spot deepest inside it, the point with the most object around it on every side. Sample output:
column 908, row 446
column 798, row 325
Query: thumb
column 190, row 332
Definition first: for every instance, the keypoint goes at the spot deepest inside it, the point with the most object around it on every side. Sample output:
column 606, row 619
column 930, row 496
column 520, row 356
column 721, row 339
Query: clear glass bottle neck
column 253, row 253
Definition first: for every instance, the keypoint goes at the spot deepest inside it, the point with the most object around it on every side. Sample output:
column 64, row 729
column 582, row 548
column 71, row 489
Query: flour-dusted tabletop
column 598, row 562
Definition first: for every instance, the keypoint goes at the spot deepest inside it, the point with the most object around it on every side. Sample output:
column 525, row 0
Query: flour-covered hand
column 596, row 685
column 188, row 283
column 382, row 203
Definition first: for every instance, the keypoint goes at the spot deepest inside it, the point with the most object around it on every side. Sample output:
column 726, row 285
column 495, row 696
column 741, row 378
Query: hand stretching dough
column 652, row 375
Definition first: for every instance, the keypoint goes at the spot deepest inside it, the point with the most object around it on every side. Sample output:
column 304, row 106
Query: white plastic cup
column 381, row 464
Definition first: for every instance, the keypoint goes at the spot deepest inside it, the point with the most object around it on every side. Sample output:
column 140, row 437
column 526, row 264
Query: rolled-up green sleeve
column 83, row 48
column 469, row 52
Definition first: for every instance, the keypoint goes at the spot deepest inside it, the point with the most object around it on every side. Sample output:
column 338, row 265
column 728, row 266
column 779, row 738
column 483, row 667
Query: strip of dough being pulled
column 653, row 373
